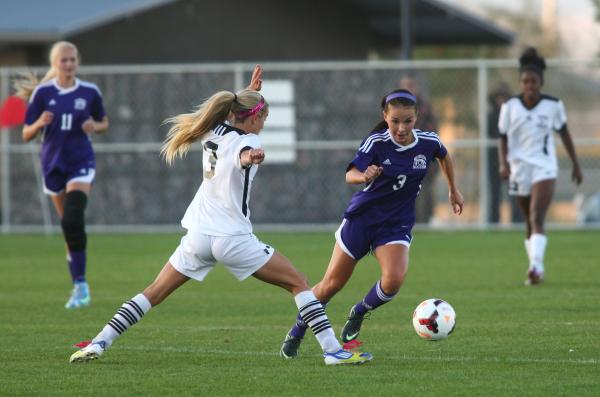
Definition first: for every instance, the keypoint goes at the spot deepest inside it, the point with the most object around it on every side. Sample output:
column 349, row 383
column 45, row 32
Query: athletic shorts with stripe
column 357, row 237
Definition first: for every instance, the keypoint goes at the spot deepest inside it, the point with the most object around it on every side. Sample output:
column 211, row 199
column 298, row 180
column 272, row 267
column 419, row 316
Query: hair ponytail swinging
column 26, row 83
column 189, row 127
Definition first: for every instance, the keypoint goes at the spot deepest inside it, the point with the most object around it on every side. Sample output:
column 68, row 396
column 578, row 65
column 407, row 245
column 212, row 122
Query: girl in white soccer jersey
column 528, row 154
column 66, row 111
column 218, row 221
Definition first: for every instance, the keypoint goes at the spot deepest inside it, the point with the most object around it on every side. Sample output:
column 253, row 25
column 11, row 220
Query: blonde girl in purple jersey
column 391, row 163
column 66, row 110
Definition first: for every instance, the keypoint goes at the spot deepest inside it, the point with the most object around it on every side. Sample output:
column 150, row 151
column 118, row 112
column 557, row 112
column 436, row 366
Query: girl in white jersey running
column 218, row 220
column 528, row 154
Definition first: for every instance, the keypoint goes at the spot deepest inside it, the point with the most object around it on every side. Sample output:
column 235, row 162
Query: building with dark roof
column 176, row 31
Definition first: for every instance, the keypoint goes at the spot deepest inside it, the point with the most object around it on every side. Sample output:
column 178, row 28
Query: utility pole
column 406, row 34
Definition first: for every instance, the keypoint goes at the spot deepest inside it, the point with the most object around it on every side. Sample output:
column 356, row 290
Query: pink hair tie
column 254, row 110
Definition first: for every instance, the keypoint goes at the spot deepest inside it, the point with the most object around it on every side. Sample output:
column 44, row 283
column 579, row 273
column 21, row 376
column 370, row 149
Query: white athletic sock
column 528, row 249
column 128, row 314
column 313, row 314
column 538, row 248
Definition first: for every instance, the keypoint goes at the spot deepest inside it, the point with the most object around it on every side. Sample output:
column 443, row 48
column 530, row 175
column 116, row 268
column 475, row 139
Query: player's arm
column 565, row 136
column 502, row 157
column 454, row 195
column 31, row 130
column 90, row 125
column 354, row 176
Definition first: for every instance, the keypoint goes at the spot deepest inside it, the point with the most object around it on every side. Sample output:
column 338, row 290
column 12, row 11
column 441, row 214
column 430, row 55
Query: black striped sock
column 128, row 314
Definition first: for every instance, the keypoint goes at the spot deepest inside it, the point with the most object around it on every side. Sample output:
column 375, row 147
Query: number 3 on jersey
column 210, row 159
column 401, row 181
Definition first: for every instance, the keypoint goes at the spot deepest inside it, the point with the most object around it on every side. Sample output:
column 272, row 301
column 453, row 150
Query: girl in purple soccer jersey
column 391, row 162
column 66, row 111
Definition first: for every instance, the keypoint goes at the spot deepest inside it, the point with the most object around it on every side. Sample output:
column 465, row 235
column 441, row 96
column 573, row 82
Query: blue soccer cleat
column 80, row 296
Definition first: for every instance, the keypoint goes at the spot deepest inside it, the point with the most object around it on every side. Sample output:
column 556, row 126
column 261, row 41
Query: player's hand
column 577, row 175
column 256, row 80
column 45, row 118
column 253, row 156
column 372, row 172
column 456, row 201
column 504, row 170
column 88, row 126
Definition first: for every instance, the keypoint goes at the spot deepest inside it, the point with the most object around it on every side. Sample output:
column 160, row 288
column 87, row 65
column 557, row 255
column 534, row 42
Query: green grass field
column 222, row 337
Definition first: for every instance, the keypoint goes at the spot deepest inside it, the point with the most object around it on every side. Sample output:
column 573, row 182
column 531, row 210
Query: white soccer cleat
column 346, row 357
column 89, row 353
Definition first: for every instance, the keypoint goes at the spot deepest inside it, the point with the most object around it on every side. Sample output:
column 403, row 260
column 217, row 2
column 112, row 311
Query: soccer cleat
column 290, row 346
column 89, row 353
column 351, row 329
column 345, row 357
column 534, row 277
column 80, row 296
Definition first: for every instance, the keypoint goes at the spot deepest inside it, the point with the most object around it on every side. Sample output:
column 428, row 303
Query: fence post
column 5, row 158
column 238, row 77
column 484, row 189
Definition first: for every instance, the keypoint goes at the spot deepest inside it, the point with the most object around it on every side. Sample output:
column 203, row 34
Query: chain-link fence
column 334, row 106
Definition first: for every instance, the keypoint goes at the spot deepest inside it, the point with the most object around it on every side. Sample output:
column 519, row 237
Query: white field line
column 404, row 357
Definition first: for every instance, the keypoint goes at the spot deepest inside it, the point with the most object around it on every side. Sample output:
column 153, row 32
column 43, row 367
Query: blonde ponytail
column 26, row 83
column 189, row 127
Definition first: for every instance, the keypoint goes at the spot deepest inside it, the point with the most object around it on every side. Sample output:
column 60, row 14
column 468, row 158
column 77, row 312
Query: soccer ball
column 434, row 319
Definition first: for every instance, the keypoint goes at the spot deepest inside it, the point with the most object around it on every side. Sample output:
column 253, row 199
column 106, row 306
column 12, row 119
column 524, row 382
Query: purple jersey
column 64, row 143
column 391, row 197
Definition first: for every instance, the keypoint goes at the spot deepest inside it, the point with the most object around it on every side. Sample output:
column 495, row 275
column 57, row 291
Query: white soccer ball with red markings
column 434, row 319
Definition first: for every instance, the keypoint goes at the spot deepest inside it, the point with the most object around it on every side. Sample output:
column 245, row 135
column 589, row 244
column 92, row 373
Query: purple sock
column 77, row 265
column 299, row 329
column 375, row 298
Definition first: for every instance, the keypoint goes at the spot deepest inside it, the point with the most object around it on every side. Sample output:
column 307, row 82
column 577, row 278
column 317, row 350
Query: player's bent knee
column 72, row 222
column 391, row 285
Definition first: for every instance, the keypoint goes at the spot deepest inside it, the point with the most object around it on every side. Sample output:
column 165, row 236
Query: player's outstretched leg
column 128, row 314
column 375, row 298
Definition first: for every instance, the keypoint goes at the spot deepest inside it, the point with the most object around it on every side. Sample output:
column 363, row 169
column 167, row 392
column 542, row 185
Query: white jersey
column 529, row 131
column 220, row 207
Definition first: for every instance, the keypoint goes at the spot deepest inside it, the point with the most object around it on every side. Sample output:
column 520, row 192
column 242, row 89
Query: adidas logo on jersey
column 387, row 162
column 52, row 102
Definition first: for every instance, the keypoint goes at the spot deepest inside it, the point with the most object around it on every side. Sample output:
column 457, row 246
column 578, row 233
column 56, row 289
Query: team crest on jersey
column 80, row 103
column 420, row 162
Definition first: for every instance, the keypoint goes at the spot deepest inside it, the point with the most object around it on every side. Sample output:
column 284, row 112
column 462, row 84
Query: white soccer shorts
column 523, row 175
column 198, row 254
